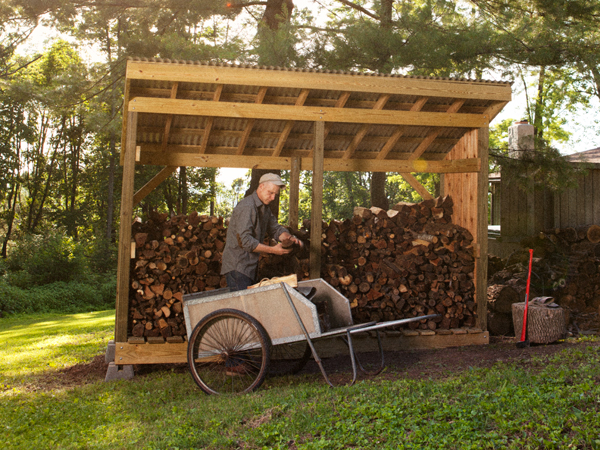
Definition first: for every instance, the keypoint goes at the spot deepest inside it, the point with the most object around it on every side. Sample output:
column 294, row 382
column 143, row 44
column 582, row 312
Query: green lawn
column 540, row 403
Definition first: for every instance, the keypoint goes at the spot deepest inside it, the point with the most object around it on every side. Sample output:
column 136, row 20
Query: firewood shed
column 182, row 113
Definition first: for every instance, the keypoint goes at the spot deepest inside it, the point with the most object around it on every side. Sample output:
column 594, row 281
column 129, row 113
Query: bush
column 64, row 297
column 37, row 260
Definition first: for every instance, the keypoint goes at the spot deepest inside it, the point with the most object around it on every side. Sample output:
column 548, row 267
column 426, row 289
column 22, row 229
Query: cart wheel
column 229, row 352
column 288, row 359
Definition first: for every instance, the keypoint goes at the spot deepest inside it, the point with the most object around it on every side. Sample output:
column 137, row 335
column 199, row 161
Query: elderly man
column 250, row 222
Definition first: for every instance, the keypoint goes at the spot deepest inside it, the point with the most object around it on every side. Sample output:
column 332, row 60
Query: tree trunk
column 277, row 12
column 378, row 197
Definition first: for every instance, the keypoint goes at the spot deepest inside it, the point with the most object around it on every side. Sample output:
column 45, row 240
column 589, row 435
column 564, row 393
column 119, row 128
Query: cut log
column 544, row 325
column 501, row 297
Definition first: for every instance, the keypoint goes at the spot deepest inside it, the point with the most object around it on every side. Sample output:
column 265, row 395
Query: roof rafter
column 210, row 121
column 289, row 124
column 262, row 92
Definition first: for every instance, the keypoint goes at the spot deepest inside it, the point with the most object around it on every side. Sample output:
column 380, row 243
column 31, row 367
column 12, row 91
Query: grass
column 32, row 345
column 543, row 403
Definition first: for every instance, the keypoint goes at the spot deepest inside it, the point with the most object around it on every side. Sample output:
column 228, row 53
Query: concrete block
column 115, row 372
column 110, row 352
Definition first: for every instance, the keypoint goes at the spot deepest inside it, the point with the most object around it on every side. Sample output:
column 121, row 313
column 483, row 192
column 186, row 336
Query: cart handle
column 370, row 327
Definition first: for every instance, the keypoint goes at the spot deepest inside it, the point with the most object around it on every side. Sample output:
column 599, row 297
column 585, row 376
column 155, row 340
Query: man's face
column 267, row 192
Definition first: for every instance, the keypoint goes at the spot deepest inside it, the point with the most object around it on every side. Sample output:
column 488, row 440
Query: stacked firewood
column 395, row 264
column 565, row 266
column 403, row 263
column 173, row 256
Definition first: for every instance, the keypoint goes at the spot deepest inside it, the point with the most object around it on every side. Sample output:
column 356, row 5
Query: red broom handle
column 524, row 329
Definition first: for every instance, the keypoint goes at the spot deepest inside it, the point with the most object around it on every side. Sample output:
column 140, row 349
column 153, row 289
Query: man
column 250, row 222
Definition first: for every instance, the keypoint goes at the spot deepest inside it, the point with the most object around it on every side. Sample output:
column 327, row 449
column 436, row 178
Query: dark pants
column 237, row 281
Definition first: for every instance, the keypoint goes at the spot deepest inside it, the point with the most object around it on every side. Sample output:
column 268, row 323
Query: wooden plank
column 316, row 216
column 572, row 199
column 595, row 174
column 305, row 113
column 153, row 184
column 165, row 353
column 210, row 121
column 564, row 208
column 124, row 127
column 481, row 263
column 248, row 130
column 294, row 198
column 289, row 124
column 176, row 353
column 195, row 73
column 417, row 186
column 284, row 163
column 588, row 204
column 329, row 348
column 557, row 206
column 123, row 262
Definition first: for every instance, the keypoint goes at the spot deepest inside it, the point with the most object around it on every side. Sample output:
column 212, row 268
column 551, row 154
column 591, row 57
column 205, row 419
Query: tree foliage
column 61, row 111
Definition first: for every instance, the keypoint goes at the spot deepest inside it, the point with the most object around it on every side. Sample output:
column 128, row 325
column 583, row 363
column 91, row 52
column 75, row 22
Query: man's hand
column 291, row 238
column 279, row 250
column 275, row 250
column 297, row 241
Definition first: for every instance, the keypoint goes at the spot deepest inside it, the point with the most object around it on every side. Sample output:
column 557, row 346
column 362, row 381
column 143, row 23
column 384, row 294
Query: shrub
column 64, row 297
column 39, row 260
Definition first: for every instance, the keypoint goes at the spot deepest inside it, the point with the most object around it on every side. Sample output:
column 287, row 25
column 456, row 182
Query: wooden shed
column 181, row 113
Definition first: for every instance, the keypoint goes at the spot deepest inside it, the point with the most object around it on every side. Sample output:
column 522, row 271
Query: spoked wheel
column 288, row 359
column 229, row 352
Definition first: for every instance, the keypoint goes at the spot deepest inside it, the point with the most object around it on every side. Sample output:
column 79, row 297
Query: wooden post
column 481, row 274
column 294, row 191
column 127, row 191
column 316, row 216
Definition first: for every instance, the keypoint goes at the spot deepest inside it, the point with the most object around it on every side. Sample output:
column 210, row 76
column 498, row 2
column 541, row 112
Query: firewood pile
column 394, row 264
column 173, row 256
column 565, row 266
column 403, row 263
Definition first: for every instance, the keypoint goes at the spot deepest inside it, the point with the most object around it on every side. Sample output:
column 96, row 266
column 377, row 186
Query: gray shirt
column 250, row 221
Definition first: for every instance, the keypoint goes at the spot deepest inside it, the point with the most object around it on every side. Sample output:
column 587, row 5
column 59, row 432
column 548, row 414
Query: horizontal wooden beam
column 291, row 100
column 305, row 113
column 179, row 134
column 285, row 163
column 196, row 73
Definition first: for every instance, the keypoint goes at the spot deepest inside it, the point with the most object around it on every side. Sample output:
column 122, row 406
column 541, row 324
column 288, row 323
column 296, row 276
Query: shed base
column 138, row 352
column 115, row 372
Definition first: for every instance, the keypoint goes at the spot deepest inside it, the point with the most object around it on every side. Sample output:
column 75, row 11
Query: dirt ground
column 413, row 364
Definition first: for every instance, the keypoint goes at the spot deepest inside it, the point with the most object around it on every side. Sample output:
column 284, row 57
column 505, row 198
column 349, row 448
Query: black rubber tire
column 223, row 365
column 288, row 359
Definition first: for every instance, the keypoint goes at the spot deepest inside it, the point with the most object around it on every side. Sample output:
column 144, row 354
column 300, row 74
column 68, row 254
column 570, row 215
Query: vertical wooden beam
column 294, row 191
column 122, row 304
column 481, row 263
column 316, row 216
